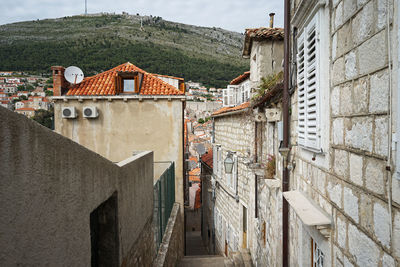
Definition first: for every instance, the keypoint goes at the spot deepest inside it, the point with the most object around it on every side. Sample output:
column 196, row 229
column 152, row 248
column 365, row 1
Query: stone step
column 203, row 261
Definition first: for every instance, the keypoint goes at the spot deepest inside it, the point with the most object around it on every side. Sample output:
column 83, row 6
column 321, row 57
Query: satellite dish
column 73, row 75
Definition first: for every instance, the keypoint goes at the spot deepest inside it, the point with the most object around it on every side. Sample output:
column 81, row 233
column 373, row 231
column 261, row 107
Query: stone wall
column 172, row 246
column 207, row 209
column 50, row 186
column 349, row 180
column 237, row 133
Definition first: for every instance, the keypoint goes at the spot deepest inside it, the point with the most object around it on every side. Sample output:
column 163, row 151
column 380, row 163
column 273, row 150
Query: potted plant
column 269, row 171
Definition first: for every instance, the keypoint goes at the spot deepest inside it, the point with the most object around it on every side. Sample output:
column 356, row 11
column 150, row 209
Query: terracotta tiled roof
column 240, row 78
column 167, row 76
column 208, row 158
column 259, row 34
column 194, row 175
column 104, row 83
column 25, row 109
column 265, row 33
column 230, row 109
column 193, row 158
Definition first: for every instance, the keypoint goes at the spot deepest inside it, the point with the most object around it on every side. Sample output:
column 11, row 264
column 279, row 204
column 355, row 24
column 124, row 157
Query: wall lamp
column 228, row 163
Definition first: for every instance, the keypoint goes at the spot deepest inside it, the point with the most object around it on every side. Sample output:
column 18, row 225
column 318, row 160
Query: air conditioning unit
column 90, row 112
column 273, row 114
column 69, row 113
column 259, row 117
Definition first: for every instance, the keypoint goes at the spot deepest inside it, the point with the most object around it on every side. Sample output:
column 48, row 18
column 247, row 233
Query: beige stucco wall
column 126, row 126
column 50, row 185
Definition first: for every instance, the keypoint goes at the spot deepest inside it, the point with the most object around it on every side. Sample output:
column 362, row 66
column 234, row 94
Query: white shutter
column 312, row 85
column 235, row 172
column 215, row 159
column 231, row 95
column 308, row 86
column 225, row 101
column 301, row 100
column 219, row 162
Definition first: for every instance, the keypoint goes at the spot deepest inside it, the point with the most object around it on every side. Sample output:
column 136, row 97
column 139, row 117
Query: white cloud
column 235, row 15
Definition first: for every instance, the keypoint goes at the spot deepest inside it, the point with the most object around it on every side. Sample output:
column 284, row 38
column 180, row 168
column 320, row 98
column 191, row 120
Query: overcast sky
column 234, row 15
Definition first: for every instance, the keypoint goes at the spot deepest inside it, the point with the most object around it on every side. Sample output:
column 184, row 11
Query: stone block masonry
column 349, row 180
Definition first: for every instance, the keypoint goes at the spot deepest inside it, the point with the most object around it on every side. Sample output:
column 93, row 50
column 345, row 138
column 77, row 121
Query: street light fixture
column 228, row 163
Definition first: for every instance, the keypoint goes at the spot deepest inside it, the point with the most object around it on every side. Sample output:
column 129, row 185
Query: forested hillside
column 99, row 42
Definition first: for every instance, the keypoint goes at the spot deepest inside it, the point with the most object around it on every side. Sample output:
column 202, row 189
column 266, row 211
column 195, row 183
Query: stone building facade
column 348, row 168
column 246, row 205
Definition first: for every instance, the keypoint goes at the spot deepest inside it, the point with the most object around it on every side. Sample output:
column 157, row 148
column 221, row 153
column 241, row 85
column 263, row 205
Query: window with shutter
column 234, row 173
column 215, row 158
column 308, row 86
column 220, row 161
column 225, row 97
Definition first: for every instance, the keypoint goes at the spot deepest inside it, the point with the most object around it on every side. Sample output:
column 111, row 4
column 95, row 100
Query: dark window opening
column 104, row 233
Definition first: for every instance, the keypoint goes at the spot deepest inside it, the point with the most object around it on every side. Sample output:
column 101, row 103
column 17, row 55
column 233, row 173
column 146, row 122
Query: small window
column 128, row 82
column 317, row 256
column 129, row 86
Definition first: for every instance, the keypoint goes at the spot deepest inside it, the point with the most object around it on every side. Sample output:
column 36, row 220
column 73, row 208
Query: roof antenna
column 85, row 7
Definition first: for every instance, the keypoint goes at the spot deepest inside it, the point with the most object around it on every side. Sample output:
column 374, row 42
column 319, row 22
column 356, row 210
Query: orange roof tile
column 193, row 158
column 104, row 83
column 265, row 33
column 260, row 34
column 167, row 76
column 230, row 109
column 208, row 158
column 25, row 109
column 240, row 78
column 194, row 175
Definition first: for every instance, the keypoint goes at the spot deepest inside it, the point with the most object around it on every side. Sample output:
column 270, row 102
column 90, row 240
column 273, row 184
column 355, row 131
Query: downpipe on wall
column 285, row 146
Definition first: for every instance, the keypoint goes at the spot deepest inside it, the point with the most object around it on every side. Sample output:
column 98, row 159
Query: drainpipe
column 285, row 145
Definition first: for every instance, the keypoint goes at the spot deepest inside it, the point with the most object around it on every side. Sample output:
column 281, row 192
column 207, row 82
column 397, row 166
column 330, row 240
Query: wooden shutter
column 308, row 86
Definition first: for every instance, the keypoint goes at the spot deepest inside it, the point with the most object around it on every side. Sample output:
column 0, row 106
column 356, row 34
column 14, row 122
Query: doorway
column 244, row 227
column 104, row 233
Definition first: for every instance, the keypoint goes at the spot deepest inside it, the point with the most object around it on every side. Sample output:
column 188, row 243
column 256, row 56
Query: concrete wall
column 123, row 127
column 49, row 187
column 349, row 180
column 172, row 246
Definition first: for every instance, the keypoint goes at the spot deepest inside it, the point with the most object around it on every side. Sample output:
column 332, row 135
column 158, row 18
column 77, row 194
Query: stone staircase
column 204, row 261
column 236, row 259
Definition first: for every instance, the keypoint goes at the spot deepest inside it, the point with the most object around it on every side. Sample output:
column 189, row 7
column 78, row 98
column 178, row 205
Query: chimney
column 59, row 81
column 271, row 20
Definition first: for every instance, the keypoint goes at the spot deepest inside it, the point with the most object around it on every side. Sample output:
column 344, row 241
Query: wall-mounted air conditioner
column 69, row 113
column 90, row 112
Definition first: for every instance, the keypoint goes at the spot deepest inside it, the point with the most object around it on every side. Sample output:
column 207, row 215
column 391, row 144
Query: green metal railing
column 164, row 199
